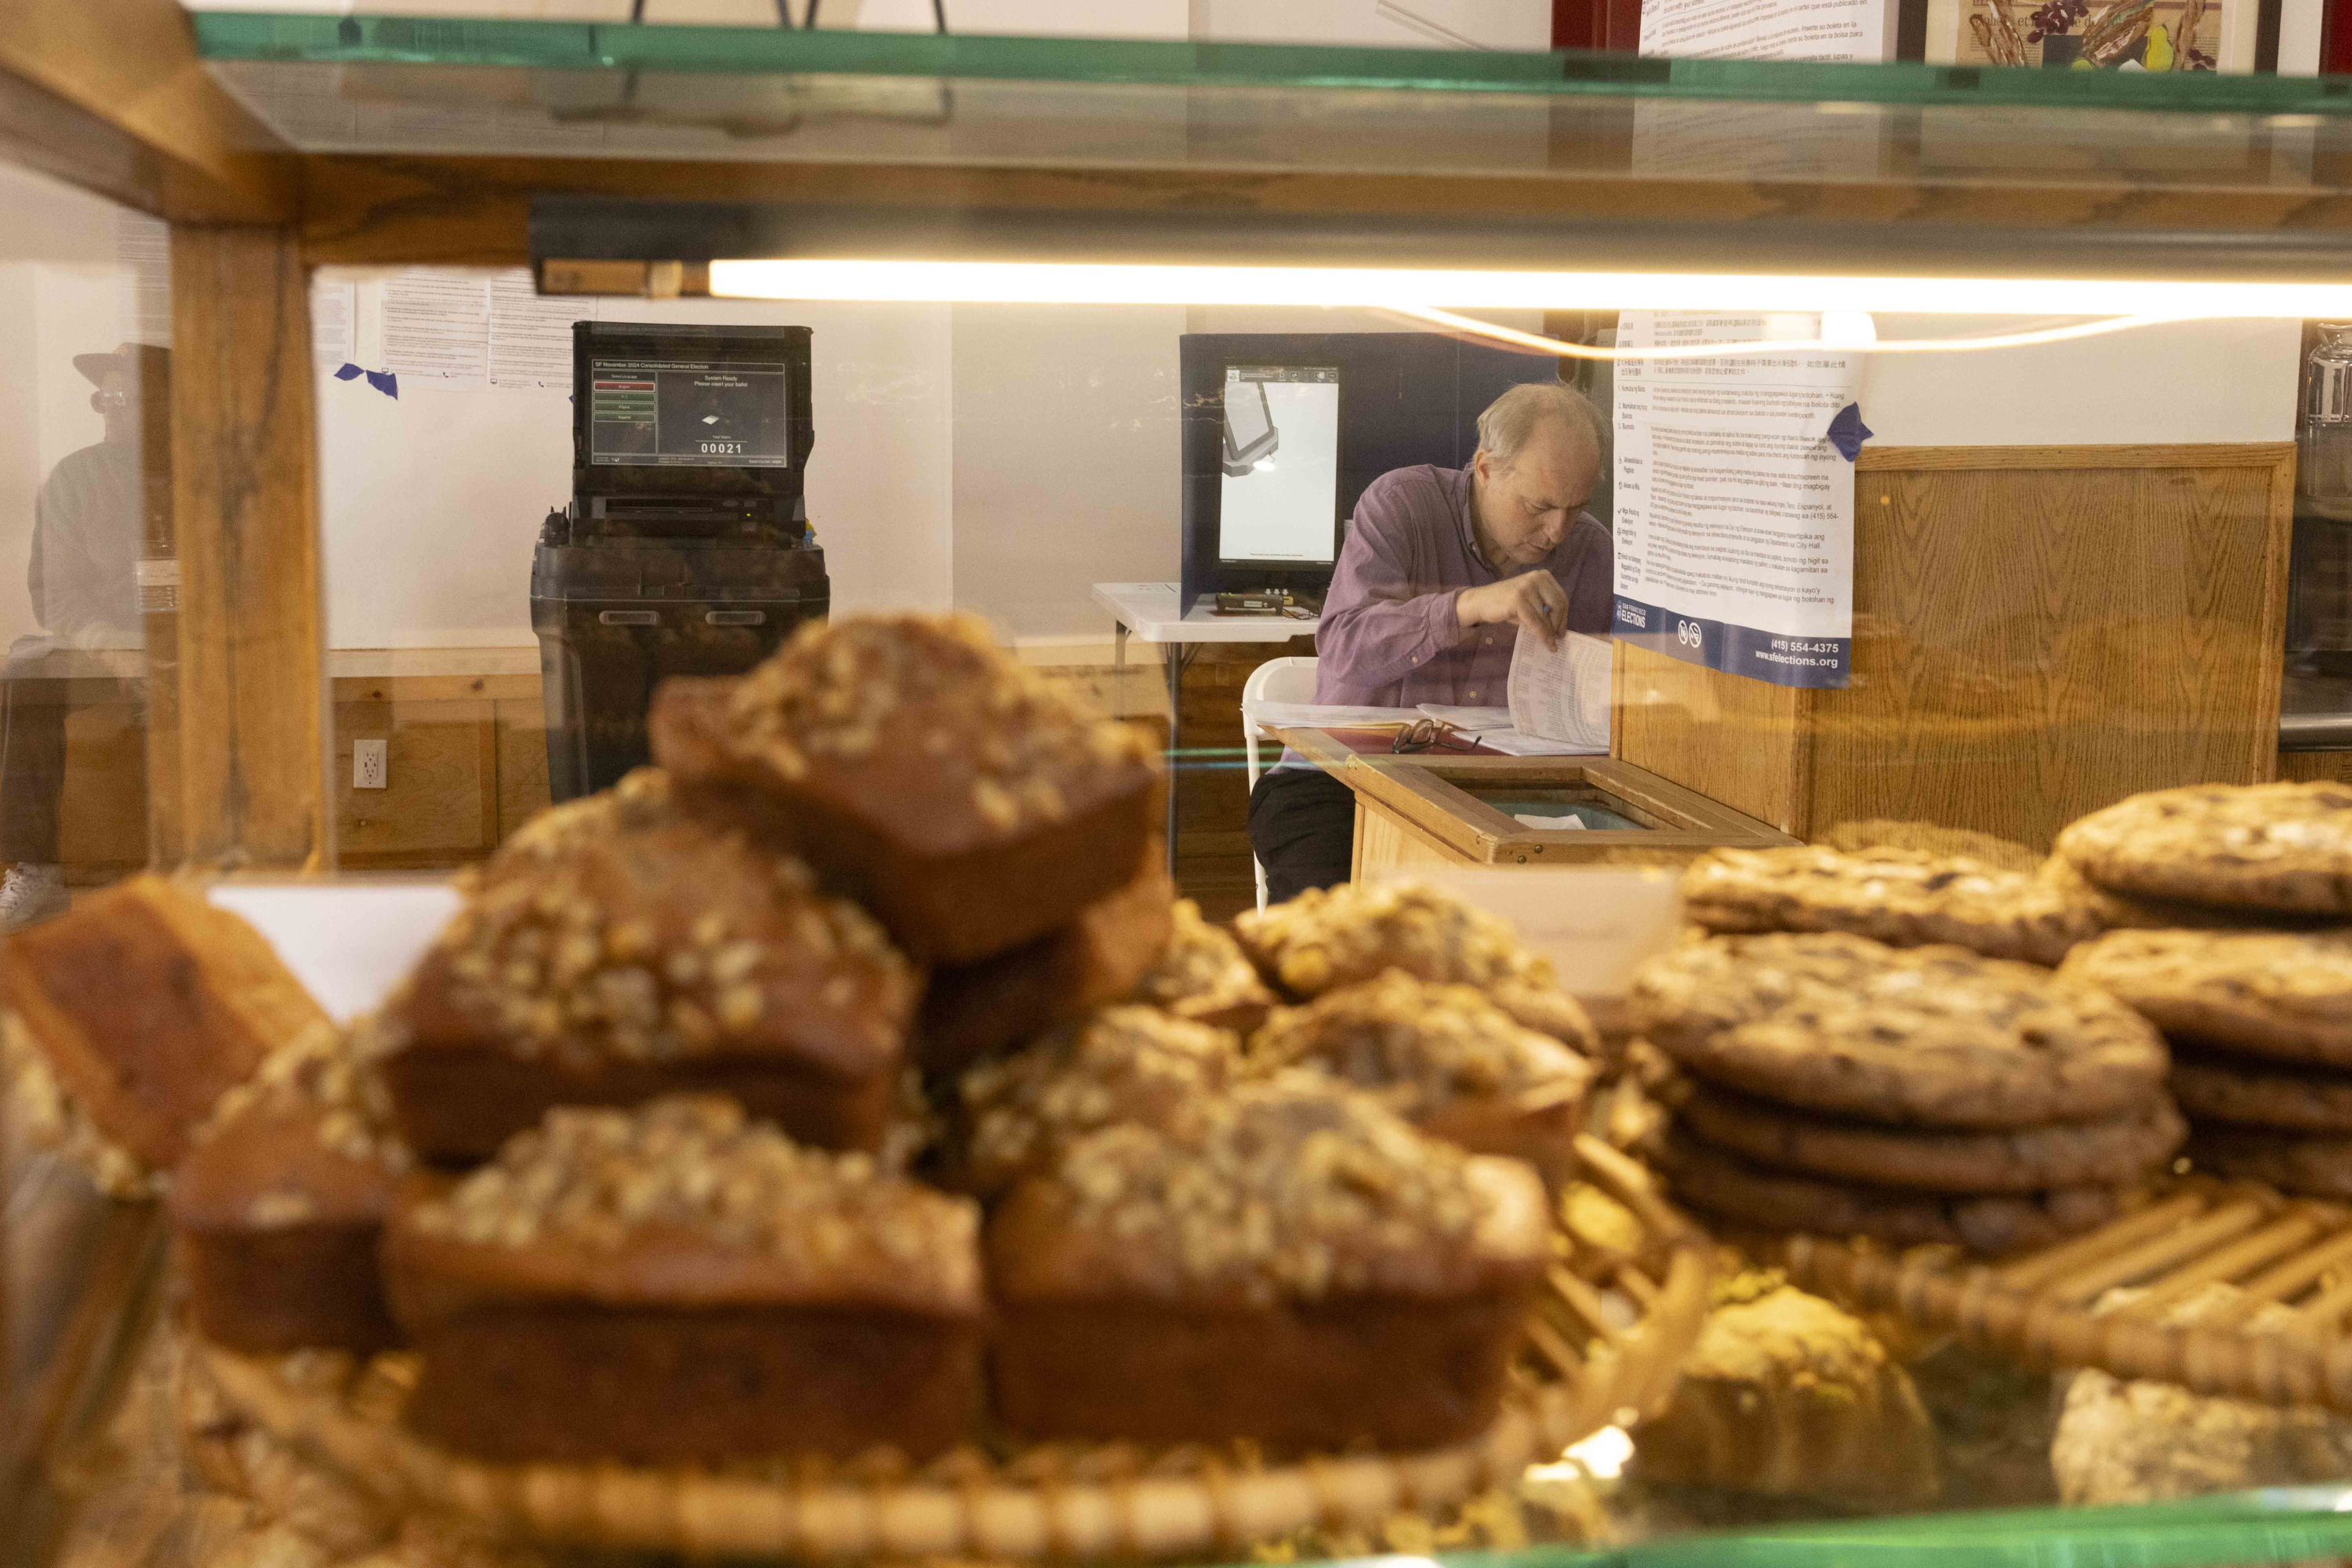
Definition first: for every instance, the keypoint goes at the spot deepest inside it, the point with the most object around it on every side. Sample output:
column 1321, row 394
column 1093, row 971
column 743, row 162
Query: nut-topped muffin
column 1329, row 937
column 1292, row 1263
column 1126, row 1064
column 280, row 1205
column 934, row 777
column 679, row 1282
column 1445, row 1057
column 633, row 951
column 1203, row 975
column 973, row 1010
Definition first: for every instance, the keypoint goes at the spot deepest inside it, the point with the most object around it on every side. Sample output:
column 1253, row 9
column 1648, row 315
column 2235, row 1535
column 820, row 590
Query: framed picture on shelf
column 2097, row 34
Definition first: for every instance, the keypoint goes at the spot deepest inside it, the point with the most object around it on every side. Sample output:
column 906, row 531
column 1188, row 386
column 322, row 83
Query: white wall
column 430, row 505
column 1066, row 468
column 2186, row 381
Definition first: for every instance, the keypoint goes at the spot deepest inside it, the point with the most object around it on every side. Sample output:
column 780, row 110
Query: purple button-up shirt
column 1389, row 637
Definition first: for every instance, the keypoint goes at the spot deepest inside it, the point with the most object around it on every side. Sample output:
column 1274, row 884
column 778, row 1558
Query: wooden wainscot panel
column 522, row 759
column 467, row 765
column 1740, row 742
column 440, row 806
column 2038, row 632
column 102, row 810
column 2303, row 767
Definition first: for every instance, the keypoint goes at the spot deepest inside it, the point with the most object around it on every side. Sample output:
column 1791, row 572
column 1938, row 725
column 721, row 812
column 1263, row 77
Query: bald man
column 1444, row 571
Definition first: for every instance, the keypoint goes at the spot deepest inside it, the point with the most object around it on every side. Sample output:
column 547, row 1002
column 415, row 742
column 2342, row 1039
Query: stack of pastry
column 850, row 1073
column 2227, row 899
column 1828, row 1082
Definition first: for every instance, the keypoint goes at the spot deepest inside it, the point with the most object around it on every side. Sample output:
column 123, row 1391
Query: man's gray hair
column 1511, row 418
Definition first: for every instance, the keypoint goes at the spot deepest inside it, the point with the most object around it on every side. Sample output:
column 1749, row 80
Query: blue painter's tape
column 1847, row 432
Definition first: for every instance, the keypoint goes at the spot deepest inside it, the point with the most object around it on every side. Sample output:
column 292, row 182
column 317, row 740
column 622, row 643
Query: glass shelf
column 429, row 86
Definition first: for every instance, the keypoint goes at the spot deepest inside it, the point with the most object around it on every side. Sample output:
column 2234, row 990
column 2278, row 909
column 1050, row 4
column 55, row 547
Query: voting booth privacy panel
column 1403, row 398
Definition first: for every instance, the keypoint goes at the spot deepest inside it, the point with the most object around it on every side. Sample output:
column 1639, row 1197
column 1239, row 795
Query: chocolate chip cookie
column 1934, row 1036
column 2283, row 847
column 2023, row 1160
column 1732, row 1188
column 2320, row 1167
column 2113, row 912
column 2279, row 993
column 2249, row 1092
column 1905, row 898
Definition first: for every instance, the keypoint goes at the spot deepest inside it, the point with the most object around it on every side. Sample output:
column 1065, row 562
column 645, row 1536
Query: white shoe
column 31, row 893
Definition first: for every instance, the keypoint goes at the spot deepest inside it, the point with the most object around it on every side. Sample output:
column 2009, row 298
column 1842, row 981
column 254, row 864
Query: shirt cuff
column 1444, row 629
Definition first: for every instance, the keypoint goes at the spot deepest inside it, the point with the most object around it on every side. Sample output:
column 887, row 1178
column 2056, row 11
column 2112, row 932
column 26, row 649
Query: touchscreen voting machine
column 686, row 549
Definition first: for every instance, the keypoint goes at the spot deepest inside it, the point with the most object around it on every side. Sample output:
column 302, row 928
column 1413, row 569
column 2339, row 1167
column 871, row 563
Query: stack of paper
column 1562, row 694
column 1323, row 716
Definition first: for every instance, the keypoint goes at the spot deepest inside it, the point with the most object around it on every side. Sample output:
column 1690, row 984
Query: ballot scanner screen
column 1278, row 503
column 734, row 413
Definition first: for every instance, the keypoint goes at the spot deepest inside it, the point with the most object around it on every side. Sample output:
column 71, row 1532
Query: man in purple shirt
column 1443, row 570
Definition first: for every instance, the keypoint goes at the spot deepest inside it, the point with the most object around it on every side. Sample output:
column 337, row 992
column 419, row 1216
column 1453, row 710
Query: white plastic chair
column 1275, row 680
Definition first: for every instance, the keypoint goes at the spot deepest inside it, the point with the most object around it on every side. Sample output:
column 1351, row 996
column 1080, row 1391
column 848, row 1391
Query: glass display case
column 400, row 401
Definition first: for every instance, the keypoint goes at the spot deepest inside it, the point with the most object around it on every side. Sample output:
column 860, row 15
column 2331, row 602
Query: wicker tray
column 1599, row 1350
column 2192, row 1232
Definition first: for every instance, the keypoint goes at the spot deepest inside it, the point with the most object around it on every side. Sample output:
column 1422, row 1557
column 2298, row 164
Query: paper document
column 1477, row 719
column 436, row 327
column 1323, row 716
column 1561, row 694
column 1735, row 497
column 1519, row 744
column 1492, row 727
column 531, row 337
column 1860, row 30
column 333, row 320
column 1546, row 823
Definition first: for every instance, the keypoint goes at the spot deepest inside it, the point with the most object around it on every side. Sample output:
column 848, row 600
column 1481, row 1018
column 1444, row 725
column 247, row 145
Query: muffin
column 680, row 1283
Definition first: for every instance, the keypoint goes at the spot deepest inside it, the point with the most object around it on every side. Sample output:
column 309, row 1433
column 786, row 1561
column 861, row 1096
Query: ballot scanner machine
column 685, row 548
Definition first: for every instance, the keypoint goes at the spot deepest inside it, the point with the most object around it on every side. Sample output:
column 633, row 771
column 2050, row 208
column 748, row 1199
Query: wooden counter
column 1420, row 810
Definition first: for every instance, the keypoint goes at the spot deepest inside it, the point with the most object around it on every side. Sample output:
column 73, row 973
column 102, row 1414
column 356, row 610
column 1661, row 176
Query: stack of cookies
column 1827, row 1082
column 2228, row 897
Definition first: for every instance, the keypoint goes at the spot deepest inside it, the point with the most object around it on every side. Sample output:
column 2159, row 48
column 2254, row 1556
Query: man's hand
column 1532, row 600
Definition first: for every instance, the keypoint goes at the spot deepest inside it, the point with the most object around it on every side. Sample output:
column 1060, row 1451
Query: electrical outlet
column 369, row 766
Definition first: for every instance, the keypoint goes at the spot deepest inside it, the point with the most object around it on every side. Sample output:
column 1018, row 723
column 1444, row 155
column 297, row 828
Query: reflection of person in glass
column 88, row 538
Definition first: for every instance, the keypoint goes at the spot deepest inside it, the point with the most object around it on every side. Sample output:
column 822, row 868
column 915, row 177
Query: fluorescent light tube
column 1029, row 282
